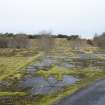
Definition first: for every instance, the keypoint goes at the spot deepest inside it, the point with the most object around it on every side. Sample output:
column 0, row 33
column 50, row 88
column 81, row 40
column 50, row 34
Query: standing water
column 40, row 85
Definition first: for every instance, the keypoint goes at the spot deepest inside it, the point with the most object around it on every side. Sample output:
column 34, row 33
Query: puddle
column 46, row 64
column 42, row 65
column 35, row 82
column 68, row 65
column 69, row 80
column 86, row 56
column 40, row 85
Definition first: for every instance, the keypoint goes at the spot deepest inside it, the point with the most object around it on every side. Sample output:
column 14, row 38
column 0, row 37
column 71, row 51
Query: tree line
column 35, row 36
column 22, row 40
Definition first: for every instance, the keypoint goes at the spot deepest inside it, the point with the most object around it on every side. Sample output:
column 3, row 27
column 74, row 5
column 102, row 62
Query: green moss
column 13, row 67
column 55, row 71
column 13, row 94
column 58, row 72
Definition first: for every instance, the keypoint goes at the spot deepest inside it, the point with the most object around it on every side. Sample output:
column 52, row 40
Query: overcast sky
column 83, row 17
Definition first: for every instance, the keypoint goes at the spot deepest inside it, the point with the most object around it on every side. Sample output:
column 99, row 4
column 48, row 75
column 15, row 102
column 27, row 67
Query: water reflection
column 40, row 85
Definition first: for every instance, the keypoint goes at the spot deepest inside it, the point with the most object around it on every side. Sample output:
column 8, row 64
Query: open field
column 28, row 78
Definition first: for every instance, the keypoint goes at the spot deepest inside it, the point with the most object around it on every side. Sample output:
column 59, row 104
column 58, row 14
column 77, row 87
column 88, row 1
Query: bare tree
column 21, row 41
column 46, row 42
column 16, row 41
column 99, row 40
column 3, row 42
column 75, row 43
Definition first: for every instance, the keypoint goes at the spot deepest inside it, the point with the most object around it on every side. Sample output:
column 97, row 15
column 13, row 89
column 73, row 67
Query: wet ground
column 37, row 85
column 40, row 85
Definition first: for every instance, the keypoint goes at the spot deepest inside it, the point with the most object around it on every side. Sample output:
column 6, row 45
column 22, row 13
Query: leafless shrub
column 7, row 52
column 21, row 41
column 99, row 40
column 46, row 42
column 75, row 43
column 18, row 41
column 3, row 42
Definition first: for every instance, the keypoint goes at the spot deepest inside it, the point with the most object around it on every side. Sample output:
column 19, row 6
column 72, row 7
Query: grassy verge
column 12, row 94
column 11, row 67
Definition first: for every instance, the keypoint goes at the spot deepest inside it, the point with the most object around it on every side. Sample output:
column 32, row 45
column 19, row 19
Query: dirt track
column 92, row 95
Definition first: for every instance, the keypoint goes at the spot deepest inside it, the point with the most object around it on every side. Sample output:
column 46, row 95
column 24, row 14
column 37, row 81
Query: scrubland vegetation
column 19, row 51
